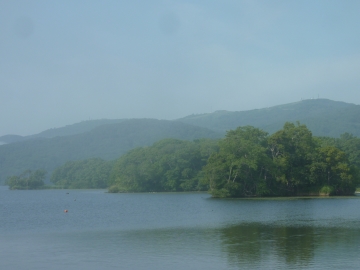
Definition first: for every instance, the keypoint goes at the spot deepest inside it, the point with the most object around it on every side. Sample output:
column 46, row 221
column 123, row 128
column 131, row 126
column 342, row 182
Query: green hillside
column 68, row 130
column 322, row 116
column 107, row 142
column 10, row 139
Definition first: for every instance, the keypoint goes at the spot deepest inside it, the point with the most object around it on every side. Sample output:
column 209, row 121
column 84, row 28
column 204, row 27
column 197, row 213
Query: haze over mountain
column 322, row 116
column 73, row 129
column 68, row 61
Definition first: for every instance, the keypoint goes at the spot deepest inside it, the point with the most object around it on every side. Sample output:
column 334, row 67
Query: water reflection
column 254, row 243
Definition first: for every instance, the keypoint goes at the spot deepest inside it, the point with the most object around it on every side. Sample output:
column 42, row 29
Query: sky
column 66, row 61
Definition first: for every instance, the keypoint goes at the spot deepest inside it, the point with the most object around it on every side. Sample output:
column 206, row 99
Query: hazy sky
column 67, row 61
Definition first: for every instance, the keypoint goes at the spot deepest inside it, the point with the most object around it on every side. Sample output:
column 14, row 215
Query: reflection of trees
column 242, row 243
column 254, row 243
column 294, row 244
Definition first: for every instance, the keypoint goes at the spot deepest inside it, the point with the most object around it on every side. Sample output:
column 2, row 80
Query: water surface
column 175, row 231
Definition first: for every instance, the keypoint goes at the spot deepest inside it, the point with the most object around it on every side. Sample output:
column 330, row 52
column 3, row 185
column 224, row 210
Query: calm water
column 175, row 231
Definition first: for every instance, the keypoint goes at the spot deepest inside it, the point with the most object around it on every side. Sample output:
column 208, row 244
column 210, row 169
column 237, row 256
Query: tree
column 331, row 168
column 292, row 150
column 241, row 166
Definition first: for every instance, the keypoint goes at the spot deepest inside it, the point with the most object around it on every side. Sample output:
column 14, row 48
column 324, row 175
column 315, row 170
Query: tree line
column 246, row 162
column 168, row 165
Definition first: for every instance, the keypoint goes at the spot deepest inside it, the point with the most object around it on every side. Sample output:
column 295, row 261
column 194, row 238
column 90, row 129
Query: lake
column 175, row 231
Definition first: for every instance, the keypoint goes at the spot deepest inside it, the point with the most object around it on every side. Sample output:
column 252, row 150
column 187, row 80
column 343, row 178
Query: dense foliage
column 27, row 180
column 90, row 173
column 347, row 143
column 168, row 165
column 241, row 167
column 289, row 162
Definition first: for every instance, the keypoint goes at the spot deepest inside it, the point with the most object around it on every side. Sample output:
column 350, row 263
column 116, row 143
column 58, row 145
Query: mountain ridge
column 72, row 129
column 311, row 112
column 200, row 119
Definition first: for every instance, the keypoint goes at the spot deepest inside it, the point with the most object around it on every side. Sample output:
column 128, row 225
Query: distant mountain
column 322, row 116
column 108, row 141
column 10, row 139
column 68, row 130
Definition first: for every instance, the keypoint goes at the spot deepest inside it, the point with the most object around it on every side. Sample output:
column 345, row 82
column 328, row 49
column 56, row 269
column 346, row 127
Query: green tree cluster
column 347, row 143
column 289, row 162
column 27, row 180
column 168, row 165
column 241, row 165
column 90, row 173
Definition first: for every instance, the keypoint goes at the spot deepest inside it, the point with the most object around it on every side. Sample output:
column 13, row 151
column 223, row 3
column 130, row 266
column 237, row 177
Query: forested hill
column 68, row 130
column 108, row 141
column 322, row 116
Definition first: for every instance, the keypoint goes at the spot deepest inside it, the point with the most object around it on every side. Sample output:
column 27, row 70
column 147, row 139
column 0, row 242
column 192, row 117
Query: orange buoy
column 65, row 211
